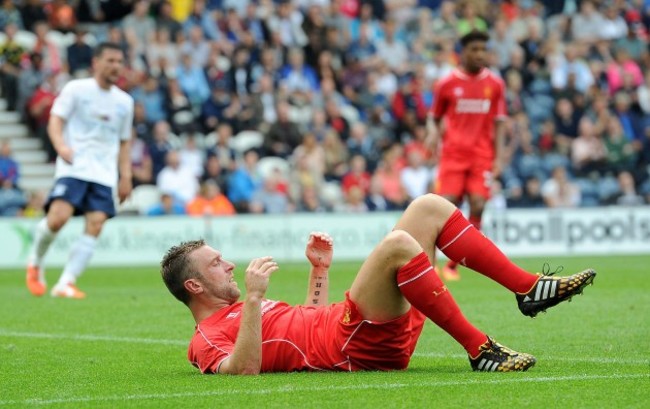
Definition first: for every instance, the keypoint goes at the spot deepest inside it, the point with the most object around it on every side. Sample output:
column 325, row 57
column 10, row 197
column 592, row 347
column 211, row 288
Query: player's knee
column 476, row 205
column 56, row 221
column 94, row 227
column 433, row 205
column 400, row 242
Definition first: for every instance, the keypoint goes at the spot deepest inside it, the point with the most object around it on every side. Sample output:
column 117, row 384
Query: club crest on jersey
column 346, row 316
column 458, row 91
column 487, row 92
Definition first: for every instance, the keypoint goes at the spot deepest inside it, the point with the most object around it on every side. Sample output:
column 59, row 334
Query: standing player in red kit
column 378, row 324
column 468, row 113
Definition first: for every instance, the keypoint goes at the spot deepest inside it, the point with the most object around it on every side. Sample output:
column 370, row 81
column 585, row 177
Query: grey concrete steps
column 37, row 169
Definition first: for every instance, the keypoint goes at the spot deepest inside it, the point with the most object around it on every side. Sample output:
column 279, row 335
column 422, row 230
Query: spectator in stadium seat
column 586, row 25
column 12, row 200
column 38, row 111
column 588, row 152
column 469, row 20
column 204, row 19
column 559, row 191
column 29, row 79
column 210, row 201
column 192, row 80
column 271, row 198
column 287, row 22
column 11, row 58
column 284, row 135
column 168, row 206
column 621, row 154
column 197, row 46
column 9, row 14
column 177, row 180
column 52, row 59
column 416, row 177
column 141, row 163
column 566, row 124
column 160, row 146
column 310, row 201
column 31, row 12
column 381, row 319
column 179, row 107
column 621, row 65
column 354, row 201
column 162, row 48
column 79, row 54
column 9, row 169
column 216, row 173
column 165, row 20
column 152, row 98
column 60, row 15
column 222, row 149
column 569, row 64
column 34, row 207
column 357, row 176
column 244, row 182
column 628, row 195
column 192, row 155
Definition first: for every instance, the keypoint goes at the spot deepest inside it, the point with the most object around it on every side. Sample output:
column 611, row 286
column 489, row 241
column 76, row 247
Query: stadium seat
column 142, row 198
column 246, row 140
column 350, row 114
column 26, row 39
column 332, row 194
column 267, row 164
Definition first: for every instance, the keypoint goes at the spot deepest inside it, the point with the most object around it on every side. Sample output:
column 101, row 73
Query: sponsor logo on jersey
column 232, row 315
column 458, row 91
column 473, row 106
column 268, row 305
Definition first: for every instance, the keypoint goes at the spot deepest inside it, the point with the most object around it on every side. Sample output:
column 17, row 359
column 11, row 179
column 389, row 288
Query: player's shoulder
column 79, row 84
column 122, row 95
column 493, row 77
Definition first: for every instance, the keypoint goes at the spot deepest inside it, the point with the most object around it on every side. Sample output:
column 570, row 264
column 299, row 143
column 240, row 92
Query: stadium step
column 13, row 131
column 24, row 157
column 37, row 169
column 7, row 117
column 3, row 104
column 36, row 183
column 23, row 144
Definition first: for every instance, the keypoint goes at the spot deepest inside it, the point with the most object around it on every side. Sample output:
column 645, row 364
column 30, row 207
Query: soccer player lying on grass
column 380, row 321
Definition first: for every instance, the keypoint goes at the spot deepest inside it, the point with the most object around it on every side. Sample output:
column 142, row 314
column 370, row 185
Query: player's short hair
column 99, row 50
column 474, row 35
column 177, row 267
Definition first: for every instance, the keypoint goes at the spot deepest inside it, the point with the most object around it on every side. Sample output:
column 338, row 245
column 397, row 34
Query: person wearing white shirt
column 90, row 128
column 177, row 180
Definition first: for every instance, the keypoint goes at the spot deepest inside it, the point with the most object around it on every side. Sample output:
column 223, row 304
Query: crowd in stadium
column 321, row 105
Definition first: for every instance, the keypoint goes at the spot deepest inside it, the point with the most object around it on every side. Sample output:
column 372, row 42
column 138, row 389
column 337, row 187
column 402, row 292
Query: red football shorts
column 458, row 177
column 372, row 345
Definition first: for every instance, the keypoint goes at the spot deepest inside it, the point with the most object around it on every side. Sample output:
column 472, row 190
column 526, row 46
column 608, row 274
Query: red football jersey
column 469, row 105
column 305, row 338
column 292, row 338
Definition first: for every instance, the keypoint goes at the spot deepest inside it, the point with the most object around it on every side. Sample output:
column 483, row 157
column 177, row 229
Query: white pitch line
column 133, row 340
column 596, row 360
column 90, row 337
column 335, row 388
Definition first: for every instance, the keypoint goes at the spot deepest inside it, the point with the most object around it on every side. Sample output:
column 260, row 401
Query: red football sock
column 476, row 222
column 461, row 242
column 424, row 290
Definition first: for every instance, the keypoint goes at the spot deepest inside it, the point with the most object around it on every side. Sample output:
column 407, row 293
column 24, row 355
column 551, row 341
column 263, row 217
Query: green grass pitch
column 125, row 346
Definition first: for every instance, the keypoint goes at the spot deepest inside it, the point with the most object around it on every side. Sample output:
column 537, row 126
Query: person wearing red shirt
column 468, row 113
column 378, row 324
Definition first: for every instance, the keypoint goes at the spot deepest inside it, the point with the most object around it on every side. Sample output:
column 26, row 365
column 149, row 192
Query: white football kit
column 96, row 121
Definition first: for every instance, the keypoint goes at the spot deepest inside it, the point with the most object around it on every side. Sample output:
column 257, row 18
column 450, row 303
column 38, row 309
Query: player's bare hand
column 320, row 248
column 66, row 153
column 124, row 189
column 258, row 272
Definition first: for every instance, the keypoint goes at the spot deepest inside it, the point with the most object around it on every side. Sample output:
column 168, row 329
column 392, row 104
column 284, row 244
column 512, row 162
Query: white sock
column 43, row 237
column 80, row 255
